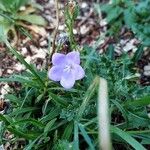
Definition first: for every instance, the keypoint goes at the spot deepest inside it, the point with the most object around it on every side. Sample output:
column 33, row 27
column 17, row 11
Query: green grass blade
column 21, row 59
column 49, row 125
column 28, row 121
column 68, row 131
column 139, row 102
column 138, row 54
column 129, row 139
column 34, row 19
column 76, row 137
column 86, row 137
column 58, row 100
column 88, row 95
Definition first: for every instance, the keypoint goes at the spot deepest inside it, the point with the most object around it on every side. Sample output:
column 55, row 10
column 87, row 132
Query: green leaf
column 129, row 139
column 21, row 59
column 138, row 54
column 28, row 121
column 86, row 137
column 21, row 79
column 31, row 144
column 23, row 110
column 68, row 131
column 4, row 119
column 76, row 137
column 111, row 52
column 139, row 102
column 138, row 119
column 49, row 125
column 114, row 14
column 22, row 134
column 13, row 98
column 33, row 19
column 87, row 97
column 121, row 108
column 58, row 100
column 51, row 115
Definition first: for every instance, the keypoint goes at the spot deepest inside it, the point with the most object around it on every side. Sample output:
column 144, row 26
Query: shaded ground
column 87, row 29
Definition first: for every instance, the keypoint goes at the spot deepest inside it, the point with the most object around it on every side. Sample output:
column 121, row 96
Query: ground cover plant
column 60, row 107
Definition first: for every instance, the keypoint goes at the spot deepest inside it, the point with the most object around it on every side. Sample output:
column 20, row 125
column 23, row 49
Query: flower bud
column 71, row 6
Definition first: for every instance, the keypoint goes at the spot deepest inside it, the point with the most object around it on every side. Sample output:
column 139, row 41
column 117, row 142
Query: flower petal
column 67, row 80
column 74, row 57
column 79, row 73
column 55, row 73
column 58, row 59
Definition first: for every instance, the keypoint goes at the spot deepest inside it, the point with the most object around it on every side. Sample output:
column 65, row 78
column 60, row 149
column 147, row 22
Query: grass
column 47, row 116
column 53, row 117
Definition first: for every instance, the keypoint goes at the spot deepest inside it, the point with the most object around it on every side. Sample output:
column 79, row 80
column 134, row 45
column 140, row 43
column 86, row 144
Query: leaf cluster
column 132, row 14
column 11, row 16
column 47, row 116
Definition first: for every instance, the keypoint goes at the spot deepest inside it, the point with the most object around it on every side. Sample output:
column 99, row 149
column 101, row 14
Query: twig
column 56, row 29
column 86, row 18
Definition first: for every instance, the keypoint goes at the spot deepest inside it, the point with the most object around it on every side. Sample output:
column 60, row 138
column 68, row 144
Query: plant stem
column 56, row 29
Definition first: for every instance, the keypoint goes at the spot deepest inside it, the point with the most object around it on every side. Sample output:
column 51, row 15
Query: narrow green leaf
column 22, row 134
column 13, row 98
column 87, row 97
column 22, row 60
column 125, row 136
column 33, row 19
column 121, row 108
column 139, row 102
column 23, row 110
column 28, row 121
column 138, row 54
column 49, row 125
column 86, row 137
column 68, row 131
column 76, row 137
column 30, row 145
column 51, row 115
column 58, row 100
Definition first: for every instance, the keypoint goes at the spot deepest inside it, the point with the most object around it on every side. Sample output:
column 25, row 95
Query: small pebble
column 129, row 46
column 84, row 30
column 28, row 59
column 61, row 27
column 147, row 68
column 75, row 31
column 84, row 5
column 24, row 51
column 9, row 71
column 19, row 67
column 4, row 90
column 43, row 43
column 1, row 72
column 33, row 49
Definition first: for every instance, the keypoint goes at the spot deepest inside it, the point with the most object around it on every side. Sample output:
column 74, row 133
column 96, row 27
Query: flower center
column 68, row 68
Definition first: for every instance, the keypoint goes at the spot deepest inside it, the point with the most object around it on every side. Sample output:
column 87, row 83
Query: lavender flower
column 66, row 69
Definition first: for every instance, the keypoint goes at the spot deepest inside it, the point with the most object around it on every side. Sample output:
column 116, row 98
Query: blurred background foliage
column 134, row 15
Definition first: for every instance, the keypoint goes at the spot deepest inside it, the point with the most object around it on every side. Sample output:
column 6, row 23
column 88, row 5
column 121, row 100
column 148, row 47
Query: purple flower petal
column 73, row 57
column 67, row 80
column 58, row 59
column 78, row 72
column 55, row 73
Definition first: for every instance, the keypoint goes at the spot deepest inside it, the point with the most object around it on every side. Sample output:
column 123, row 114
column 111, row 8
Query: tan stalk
column 103, row 116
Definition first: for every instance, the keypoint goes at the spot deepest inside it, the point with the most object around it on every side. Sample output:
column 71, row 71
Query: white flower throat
column 68, row 68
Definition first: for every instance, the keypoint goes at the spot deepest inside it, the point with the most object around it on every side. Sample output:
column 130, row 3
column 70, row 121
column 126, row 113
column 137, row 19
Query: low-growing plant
column 11, row 16
column 47, row 116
